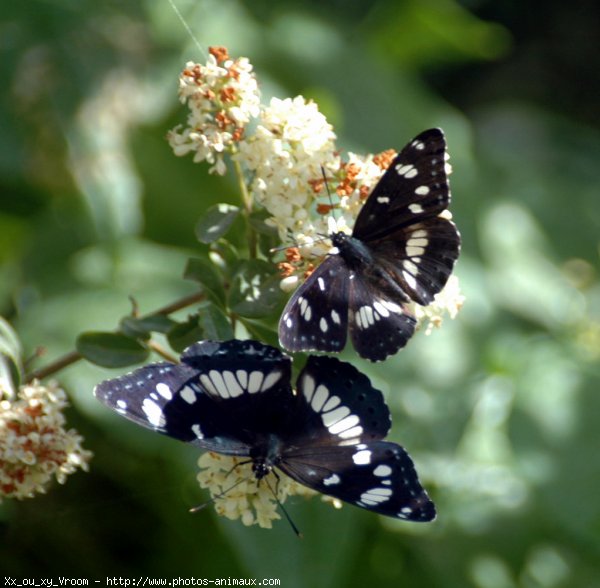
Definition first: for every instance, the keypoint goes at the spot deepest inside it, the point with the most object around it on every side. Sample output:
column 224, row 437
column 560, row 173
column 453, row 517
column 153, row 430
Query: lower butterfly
column 235, row 398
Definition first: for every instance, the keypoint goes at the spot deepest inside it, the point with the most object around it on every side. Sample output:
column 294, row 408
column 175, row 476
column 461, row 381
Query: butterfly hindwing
column 378, row 326
column 338, row 405
column 379, row 476
column 316, row 316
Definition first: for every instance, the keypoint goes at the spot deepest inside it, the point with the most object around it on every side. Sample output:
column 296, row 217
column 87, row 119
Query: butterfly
column 402, row 248
column 235, row 398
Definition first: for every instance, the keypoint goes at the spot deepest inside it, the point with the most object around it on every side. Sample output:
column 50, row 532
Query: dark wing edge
column 378, row 476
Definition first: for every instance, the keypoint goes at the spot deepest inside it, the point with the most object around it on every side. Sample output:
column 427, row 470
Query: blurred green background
column 499, row 408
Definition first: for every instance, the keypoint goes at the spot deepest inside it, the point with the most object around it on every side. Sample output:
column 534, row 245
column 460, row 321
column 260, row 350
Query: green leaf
column 257, row 222
column 110, row 349
column 182, row 335
column 209, row 323
column 226, row 256
column 214, row 323
column 216, row 222
column 204, row 273
column 255, row 289
column 261, row 332
column 143, row 327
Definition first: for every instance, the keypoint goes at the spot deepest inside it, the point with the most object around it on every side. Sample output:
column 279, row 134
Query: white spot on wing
column 164, row 391
column 219, row 383
column 255, row 381
column 415, row 208
column 188, row 395
column 376, row 496
column 308, row 387
column 332, row 480
column 233, row 386
column 383, row 199
column 332, row 417
column 335, row 317
column 321, row 283
column 320, row 397
column 362, row 457
column 208, row 385
column 382, row 471
column 422, row 191
column 153, row 413
column 410, row 267
column 242, row 376
column 352, row 433
column 197, row 431
column 323, row 325
column 345, row 423
column 271, row 380
column 410, row 280
column 381, row 309
column 331, row 403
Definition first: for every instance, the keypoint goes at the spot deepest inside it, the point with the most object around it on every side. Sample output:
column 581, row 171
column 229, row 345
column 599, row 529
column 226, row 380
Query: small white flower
column 238, row 495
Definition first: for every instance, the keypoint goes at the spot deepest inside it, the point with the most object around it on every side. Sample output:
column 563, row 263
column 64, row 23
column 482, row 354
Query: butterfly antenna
column 327, row 188
column 216, row 497
column 281, row 507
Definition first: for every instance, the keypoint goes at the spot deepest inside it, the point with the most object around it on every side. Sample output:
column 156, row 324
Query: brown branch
column 74, row 356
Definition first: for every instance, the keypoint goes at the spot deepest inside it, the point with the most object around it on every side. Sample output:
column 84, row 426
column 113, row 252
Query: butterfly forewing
column 219, row 398
column 415, row 186
column 316, row 316
column 379, row 476
column 141, row 395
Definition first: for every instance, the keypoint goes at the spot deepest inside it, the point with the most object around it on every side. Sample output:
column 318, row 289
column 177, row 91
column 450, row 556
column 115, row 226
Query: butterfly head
column 265, row 455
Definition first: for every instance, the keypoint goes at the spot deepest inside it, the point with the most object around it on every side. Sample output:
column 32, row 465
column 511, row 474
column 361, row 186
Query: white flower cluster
column 449, row 301
column 34, row 445
column 223, row 98
column 237, row 493
column 284, row 155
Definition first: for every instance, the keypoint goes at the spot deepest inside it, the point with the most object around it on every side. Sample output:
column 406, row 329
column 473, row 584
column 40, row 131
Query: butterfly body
column 235, row 398
column 402, row 248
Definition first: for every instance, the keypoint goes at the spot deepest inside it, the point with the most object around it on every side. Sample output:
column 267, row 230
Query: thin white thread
column 188, row 29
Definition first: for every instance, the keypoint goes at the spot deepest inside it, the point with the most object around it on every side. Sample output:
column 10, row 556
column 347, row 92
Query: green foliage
column 110, row 349
column 216, row 222
column 498, row 407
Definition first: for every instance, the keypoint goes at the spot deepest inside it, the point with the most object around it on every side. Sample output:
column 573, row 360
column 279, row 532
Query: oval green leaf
column 216, row 222
column 110, row 349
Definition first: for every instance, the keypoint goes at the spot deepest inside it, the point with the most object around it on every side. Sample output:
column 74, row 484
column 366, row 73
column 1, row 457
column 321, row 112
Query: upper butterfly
column 403, row 247
column 235, row 398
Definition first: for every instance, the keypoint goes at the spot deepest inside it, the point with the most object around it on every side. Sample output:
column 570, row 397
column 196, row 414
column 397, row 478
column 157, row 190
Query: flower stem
column 74, row 356
column 247, row 202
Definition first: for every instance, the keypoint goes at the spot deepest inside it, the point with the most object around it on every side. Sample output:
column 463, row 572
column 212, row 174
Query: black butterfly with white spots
column 235, row 398
column 402, row 248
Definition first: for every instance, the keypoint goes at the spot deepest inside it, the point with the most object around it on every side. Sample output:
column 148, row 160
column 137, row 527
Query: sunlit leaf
column 216, row 222
column 255, row 289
